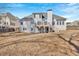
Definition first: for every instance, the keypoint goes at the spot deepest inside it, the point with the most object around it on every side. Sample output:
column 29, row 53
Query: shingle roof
column 58, row 17
column 44, row 15
column 26, row 19
column 54, row 16
column 12, row 17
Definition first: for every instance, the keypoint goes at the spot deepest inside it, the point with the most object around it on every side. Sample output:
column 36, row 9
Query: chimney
column 49, row 16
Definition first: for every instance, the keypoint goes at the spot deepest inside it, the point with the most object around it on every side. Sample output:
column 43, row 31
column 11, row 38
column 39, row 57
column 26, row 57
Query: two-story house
column 43, row 22
column 8, row 23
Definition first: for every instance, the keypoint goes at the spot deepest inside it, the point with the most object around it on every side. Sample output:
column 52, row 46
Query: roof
column 26, row 19
column 54, row 16
column 44, row 16
column 58, row 17
column 12, row 17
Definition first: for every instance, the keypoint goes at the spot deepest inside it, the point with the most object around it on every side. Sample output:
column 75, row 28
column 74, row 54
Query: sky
column 67, row 10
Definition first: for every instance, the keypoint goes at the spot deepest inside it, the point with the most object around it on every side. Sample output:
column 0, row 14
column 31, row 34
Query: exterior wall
column 37, row 18
column 29, row 28
column 58, row 27
column 22, row 26
column 49, row 17
column 6, row 23
column 36, row 30
column 3, row 26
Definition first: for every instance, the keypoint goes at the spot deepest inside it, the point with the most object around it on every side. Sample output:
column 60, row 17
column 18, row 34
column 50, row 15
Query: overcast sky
column 67, row 10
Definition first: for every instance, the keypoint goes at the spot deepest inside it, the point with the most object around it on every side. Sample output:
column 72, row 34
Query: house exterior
column 8, row 23
column 43, row 22
column 27, row 25
column 73, row 25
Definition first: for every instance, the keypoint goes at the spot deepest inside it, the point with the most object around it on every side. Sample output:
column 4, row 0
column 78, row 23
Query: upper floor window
column 38, row 22
column 21, row 23
column 59, row 22
column 43, row 16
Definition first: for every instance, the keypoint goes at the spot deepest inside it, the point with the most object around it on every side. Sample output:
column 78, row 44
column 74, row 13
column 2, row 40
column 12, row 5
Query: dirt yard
column 44, row 44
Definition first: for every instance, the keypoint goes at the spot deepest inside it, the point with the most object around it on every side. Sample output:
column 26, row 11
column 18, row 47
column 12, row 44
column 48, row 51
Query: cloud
column 71, row 11
column 71, row 4
column 14, row 5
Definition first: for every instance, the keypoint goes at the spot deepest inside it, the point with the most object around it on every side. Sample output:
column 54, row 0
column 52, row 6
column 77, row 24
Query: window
column 62, row 22
column 58, row 22
column 43, row 16
column 7, row 23
column 21, row 23
column 24, row 29
column 31, row 29
column 45, row 22
column 4, row 23
column 53, row 23
column 38, row 23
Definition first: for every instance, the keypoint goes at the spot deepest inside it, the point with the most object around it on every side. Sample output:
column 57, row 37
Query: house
column 43, row 22
column 8, row 23
column 73, row 25
column 27, row 25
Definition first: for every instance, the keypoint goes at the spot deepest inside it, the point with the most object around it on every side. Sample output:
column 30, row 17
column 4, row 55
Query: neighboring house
column 73, row 25
column 8, row 23
column 43, row 22
column 27, row 25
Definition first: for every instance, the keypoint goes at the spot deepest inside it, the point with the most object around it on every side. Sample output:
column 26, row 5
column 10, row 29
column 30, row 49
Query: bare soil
column 43, row 44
